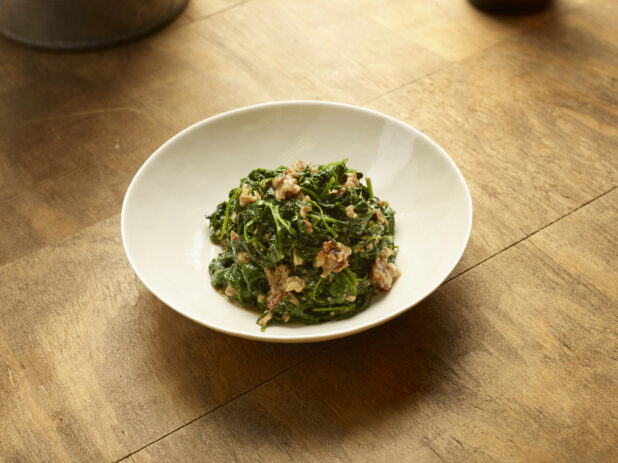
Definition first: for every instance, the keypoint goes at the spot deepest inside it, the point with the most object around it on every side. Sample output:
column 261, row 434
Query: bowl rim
column 317, row 337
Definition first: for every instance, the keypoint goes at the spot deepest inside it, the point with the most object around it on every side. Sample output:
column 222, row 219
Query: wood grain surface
column 491, row 367
column 94, row 365
column 515, row 358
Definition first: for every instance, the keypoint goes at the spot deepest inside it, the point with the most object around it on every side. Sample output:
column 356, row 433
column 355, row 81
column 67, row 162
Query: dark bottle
column 510, row 6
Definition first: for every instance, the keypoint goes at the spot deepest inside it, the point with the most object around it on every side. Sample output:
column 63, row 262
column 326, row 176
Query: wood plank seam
column 17, row 257
column 480, row 52
column 532, row 234
column 443, row 67
column 332, row 346
column 164, row 394
column 222, row 10
column 388, row 92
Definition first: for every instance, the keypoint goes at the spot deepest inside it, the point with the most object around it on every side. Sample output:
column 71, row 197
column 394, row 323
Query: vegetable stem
column 315, row 289
column 279, row 239
column 326, row 189
column 369, row 187
column 284, row 222
column 310, row 193
column 351, row 280
column 265, row 181
column 330, row 230
column 247, row 225
column 227, row 213
column 341, row 308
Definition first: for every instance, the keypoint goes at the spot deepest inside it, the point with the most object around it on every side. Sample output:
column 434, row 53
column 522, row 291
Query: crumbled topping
column 383, row 273
column 380, row 216
column 234, row 235
column 304, row 210
column 386, row 253
column 298, row 165
column 297, row 260
column 286, row 317
column 276, row 280
column 243, row 258
column 294, row 284
column 349, row 211
column 308, row 225
column 333, row 257
column 351, row 181
column 314, row 169
column 286, row 185
column 247, row 197
column 264, row 319
column 229, row 291
column 381, row 203
column 350, row 298
column 281, row 285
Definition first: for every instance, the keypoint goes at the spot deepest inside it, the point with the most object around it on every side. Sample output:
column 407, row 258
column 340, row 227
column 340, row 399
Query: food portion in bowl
column 305, row 243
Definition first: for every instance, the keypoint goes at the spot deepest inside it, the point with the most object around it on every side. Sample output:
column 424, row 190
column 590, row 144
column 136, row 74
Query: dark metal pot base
column 82, row 25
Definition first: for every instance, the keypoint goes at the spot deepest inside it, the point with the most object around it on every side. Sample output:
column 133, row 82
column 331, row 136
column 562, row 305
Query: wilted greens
column 305, row 243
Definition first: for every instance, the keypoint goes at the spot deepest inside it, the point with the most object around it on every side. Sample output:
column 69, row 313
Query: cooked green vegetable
column 305, row 243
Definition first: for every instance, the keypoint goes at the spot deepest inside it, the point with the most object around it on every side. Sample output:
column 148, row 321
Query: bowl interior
column 166, row 235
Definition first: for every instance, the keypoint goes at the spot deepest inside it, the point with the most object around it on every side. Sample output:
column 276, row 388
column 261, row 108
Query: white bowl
column 166, row 236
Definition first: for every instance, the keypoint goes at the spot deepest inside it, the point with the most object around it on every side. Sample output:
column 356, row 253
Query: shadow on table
column 359, row 381
column 205, row 367
column 380, row 376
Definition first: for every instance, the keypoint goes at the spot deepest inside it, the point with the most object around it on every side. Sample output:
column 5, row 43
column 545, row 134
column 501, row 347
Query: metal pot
column 84, row 24
column 510, row 6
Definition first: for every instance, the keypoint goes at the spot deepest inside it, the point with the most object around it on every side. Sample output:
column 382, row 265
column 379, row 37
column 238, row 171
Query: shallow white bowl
column 166, row 236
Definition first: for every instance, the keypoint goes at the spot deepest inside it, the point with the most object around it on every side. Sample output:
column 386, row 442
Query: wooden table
column 514, row 358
